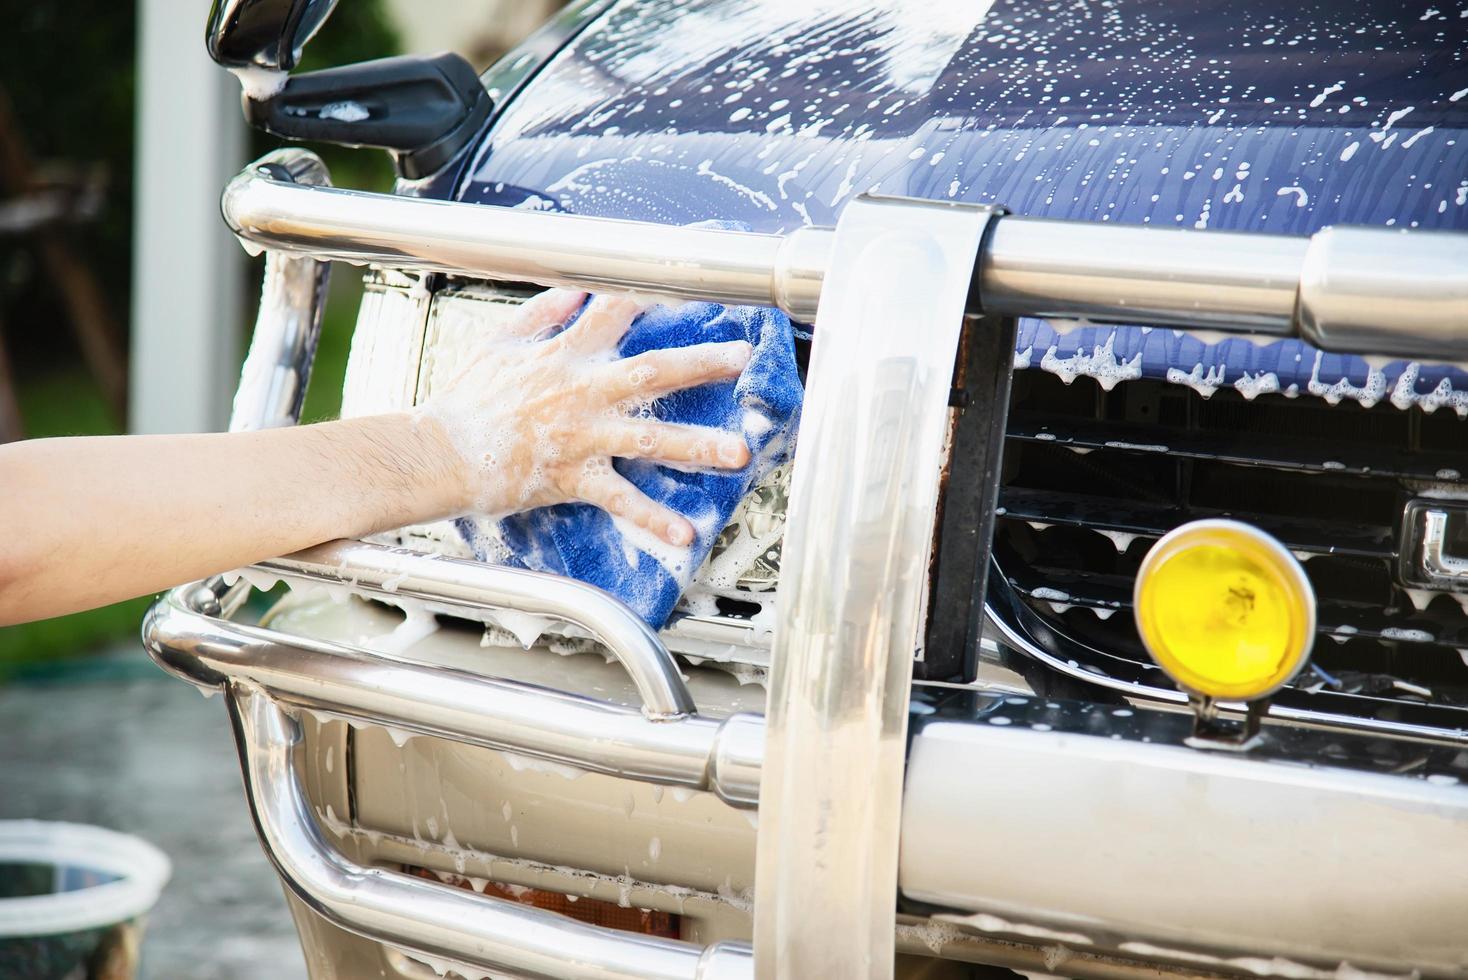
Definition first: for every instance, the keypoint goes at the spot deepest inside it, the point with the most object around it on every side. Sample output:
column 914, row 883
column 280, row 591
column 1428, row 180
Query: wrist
column 446, row 491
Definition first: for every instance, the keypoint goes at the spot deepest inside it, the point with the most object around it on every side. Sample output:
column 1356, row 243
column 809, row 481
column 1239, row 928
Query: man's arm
column 88, row 521
column 527, row 422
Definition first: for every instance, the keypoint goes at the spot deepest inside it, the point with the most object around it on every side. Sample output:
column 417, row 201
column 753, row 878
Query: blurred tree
column 68, row 71
column 69, row 74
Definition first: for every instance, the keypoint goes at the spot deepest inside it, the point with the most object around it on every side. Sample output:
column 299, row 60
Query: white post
column 187, row 275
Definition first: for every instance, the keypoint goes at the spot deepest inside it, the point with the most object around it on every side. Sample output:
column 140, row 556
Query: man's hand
column 527, row 422
column 537, row 421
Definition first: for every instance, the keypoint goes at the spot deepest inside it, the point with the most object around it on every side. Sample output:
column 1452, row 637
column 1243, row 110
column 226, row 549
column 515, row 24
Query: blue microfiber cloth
column 584, row 542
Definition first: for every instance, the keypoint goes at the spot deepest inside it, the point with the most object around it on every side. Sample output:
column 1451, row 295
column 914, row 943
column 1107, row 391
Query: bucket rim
column 143, row 870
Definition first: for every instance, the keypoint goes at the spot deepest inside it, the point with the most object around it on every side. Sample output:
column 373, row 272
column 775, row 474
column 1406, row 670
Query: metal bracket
column 854, row 574
column 970, row 493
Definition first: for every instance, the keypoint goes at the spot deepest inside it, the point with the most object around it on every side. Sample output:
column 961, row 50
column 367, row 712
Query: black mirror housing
column 263, row 33
column 422, row 110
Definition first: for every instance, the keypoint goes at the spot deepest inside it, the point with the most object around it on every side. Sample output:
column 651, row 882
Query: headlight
column 1225, row 609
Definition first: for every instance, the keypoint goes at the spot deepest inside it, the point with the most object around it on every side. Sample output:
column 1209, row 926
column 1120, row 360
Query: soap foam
column 260, row 84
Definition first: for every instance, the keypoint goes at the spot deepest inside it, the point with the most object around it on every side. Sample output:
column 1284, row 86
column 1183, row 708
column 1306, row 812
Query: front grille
column 1092, row 477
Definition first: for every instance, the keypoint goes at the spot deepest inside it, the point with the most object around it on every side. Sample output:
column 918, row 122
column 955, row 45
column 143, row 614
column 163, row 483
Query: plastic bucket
column 72, row 900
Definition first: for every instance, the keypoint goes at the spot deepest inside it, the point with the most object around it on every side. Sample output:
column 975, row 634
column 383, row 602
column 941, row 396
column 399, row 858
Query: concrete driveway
column 117, row 743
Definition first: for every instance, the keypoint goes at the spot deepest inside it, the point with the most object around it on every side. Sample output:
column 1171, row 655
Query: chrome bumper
column 864, row 512
column 188, row 633
column 1040, row 828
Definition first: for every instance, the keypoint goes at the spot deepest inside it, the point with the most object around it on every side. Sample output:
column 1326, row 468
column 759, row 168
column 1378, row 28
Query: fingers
column 601, row 325
column 613, row 493
column 659, row 372
column 549, row 309
column 669, row 443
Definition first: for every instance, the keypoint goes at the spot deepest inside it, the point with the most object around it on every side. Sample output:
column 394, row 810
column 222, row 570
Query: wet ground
column 115, row 742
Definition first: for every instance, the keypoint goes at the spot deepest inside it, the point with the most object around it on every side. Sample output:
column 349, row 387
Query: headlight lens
column 1225, row 609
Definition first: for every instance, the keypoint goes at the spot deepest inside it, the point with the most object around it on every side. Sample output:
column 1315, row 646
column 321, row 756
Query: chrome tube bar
column 854, row 572
column 426, row 699
column 1363, row 290
column 429, row 919
column 1357, row 284
column 269, row 211
column 1135, row 274
column 455, row 585
column 1103, row 825
column 288, row 325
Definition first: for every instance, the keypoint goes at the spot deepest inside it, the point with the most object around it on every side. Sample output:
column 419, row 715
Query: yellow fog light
column 1225, row 610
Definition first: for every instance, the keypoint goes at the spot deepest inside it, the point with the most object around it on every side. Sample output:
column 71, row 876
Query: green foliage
column 68, row 74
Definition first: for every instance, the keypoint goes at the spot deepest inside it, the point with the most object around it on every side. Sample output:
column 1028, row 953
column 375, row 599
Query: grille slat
column 1360, row 461
column 1329, row 481
column 1152, row 521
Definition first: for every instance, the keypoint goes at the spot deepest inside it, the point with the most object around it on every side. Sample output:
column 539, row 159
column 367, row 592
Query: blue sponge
column 586, row 543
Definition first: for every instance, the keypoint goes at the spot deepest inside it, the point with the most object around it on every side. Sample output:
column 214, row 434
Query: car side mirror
column 266, row 34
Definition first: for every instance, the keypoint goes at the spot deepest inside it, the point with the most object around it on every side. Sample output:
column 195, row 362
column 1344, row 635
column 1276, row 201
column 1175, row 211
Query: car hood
column 1183, row 113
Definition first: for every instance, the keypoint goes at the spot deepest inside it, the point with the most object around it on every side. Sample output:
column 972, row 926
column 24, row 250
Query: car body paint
column 1194, row 114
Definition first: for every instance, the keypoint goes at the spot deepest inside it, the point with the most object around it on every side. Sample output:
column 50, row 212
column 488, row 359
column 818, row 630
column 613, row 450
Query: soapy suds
column 260, row 84
column 1206, row 379
column 1262, row 966
column 418, row 624
column 676, row 561
column 1302, row 198
column 986, row 923
column 1121, row 540
column 347, row 111
column 931, row 933
column 525, row 627
column 1420, row 598
column 525, row 763
column 1099, row 363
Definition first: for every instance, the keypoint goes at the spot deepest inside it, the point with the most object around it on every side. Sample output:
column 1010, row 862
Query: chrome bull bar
column 1345, row 289
column 425, row 918
column 841, row 668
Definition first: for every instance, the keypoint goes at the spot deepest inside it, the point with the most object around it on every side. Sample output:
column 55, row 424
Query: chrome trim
column 1436, row 562
column 733, row 267
column 288, row 325
column 854, row 570
column 426, row 699
column 1136, row 274
column 1133, row 844
column 1229, row 281
column 1400, row 294
column 432, row 920
column 948, row 940
column 458, row 585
